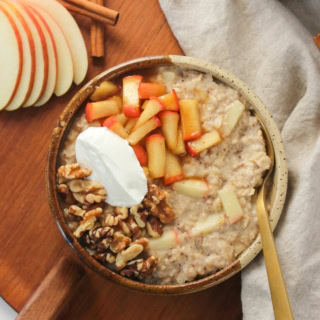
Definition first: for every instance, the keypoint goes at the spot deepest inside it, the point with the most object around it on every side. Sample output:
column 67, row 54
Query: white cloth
column 265, row 45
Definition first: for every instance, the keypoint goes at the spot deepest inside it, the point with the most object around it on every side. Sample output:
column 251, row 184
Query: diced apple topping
column 169, row 127
column 231, row 205
column 232, row 117
column 170, row 101
column 168, row 240
column 138, row 134
column 104, row 90
column 206, row 141
column 152, row 107
column 148, row 90
column 141, row 154
column 122, row 118
column 156, row 150
column 130, row 124
column 130, row 94
column 101, row 109
column 131, row 112
column 212, row 223
column 174, row 170
column 190, row 119
column 195, row 188
column 180, row 147
column 113, row 124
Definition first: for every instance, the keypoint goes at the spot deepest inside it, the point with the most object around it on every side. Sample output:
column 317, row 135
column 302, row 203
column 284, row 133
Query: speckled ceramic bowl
column 276, row 196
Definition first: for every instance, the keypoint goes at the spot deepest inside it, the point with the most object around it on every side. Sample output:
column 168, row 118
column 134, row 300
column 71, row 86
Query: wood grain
column 31, row 244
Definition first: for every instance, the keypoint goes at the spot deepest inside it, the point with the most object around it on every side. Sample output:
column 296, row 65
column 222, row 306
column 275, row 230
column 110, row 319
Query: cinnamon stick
column 97, row 35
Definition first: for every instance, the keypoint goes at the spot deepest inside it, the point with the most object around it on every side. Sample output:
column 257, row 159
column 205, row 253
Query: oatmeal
column 203, row 153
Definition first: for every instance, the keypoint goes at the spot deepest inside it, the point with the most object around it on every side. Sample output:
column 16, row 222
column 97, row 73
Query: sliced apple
column 28, row 71
column 206, row 141
column 130, row 124
column 195, row 188
column 104, row 91
column 101, row 109
column 170, row 101
column 180, row 147
column 168, row 240
column 122, row 118
column 65, row 66
column 114, row 125
column 141, row 154
column 52, row 56
column 212, row 223
column 231, row 205
column 138, row 134
column 11, row 57
column 72, row 33
column 153, row 107
column 131, row 112
column 130, row 96
column 148, row 90
column 41, row 52
column 174, row 170
column 156, row 149
column 232, row 117
column 190, row 119
column 169, row 127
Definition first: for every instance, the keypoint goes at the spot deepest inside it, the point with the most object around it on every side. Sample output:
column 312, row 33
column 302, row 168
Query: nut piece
column 140, row 268
column 119, row 242
column 134, row 228
column 124, row 228
column 72, row 171
column 121, row 212
column 154, row 227
column 87, row 192
column 84, row 226
column 63, row 188
column 111, row 220
column 105, row 257
column 143, row 241
column 93, row 213
column 76, row 211
column 126, row 255
column 66, row 193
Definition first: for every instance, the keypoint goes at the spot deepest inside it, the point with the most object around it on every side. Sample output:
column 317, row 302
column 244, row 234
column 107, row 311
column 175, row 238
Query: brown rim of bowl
column 278, row 191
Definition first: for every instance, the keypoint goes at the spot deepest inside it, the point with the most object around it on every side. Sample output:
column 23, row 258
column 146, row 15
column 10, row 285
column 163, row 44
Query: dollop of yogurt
column 113, row 164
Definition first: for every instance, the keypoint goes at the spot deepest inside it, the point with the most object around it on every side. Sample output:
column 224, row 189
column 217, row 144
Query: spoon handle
column 280, row 300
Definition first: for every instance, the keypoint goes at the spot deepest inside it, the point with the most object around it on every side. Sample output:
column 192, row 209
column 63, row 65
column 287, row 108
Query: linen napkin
column 266, row 46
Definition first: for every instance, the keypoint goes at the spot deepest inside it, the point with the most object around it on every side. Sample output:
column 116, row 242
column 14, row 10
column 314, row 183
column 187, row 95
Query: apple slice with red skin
column 114, row 125
column 131, row 112
column 231, row 205
column 174, row 170
column 156, row 149
column 130, row 124
column 190, row 119
column 232, row 117
column 148, row 90
column 104, row 90
column 122, row 118
column 170, row 101
column 29, row 59
column 11, row 57
column 153, row 107
column 169, row 127
column 206, row 141
column 180, row 147
column 141, row 154
column 101, row 109
column 130, row 96
column 139, row 133
column 191, row 187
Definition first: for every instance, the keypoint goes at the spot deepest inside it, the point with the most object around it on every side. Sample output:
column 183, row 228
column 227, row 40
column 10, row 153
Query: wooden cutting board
column 30, row 243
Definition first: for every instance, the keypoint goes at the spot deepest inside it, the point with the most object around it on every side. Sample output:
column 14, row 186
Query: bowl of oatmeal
column 153, row 172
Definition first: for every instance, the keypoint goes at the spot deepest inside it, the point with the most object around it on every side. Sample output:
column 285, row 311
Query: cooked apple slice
column 190, row 119
column 28, row 71
column 65, row 66
column 114, row 125
column 168, row 240
column 131, row 112
column 11, row 57
column 156, row 149
column 141, row 154
column 141, row 132
column 169, row 127
column 212, row 223
column 52, row 56
column 206, row 141
column 130, row 96
column 41, row 53
column 231, row 205
column 122, row 118
column 195, row 188
column 101, row 109
column 148, row 90
column 174, row 170
column 232, row 117
column 72, row 34
column 130, row 124
column 104, row 91
column 153, row 107
column 180, row 147
column 170, row 101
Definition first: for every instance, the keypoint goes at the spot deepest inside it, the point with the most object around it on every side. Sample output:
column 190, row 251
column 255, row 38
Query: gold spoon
column 280, row 300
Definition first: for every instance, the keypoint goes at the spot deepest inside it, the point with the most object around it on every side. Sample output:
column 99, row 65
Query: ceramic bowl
column 277, row 192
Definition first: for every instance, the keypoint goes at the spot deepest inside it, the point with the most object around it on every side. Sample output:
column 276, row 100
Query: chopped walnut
column 72, row 171
column 119, row 242
column 105, row 257
column 154, row 227
column 124, row 228
column 66, row 193
column 99, row 238
column 111, row 220
column 128, row 254
column 143, row 241
column 140, row 268
column 121, row 212
column 76, row 211
column 84, row 226
column 134, row 228
column 93, row 213
column 63, row 188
